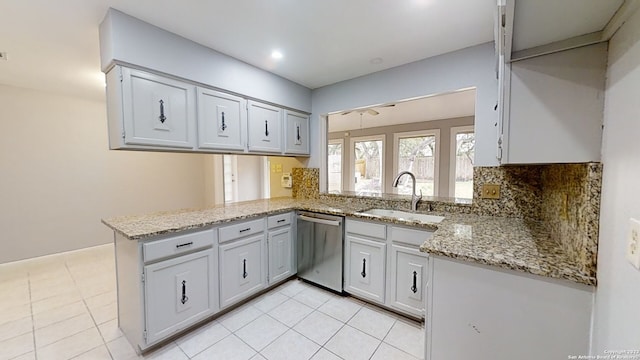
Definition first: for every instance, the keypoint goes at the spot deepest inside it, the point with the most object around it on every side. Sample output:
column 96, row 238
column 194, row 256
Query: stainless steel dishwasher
column 319, row 248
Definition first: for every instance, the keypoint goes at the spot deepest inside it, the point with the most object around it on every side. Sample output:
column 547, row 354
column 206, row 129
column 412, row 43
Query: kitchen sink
column 403, row 215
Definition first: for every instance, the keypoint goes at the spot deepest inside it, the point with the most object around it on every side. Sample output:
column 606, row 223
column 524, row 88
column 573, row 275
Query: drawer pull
column 281, row 220
column 364, row 268
column 244, row 269
column 247, row 229
column 414, row 288
column 266, row 128
column 183, row 245
column 184, row 292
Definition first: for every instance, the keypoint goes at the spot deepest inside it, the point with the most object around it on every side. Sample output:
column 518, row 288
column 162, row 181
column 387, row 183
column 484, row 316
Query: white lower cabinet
column 384, row 264
column 365, row 268
column 408, row 279
column 178, row 292
column 477, row 311
column 280, row 240
column 242, row 269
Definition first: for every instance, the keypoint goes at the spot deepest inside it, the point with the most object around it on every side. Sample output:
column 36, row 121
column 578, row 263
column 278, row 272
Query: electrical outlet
column 490, row 191
column 633, row 243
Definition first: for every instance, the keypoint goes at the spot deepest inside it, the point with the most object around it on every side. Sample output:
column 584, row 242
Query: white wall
column 470, row 67
column 58, row 178
column 617, row 306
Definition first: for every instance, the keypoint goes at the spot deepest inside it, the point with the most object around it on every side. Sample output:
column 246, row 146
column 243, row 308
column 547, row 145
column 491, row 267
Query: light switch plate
column 633, row 243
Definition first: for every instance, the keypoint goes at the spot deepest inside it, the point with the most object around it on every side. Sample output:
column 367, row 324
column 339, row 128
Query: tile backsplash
column 564, row 197
column 306, row 183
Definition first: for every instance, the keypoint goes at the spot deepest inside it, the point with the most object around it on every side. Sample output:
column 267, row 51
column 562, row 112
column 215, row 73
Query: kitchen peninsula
column 486, row 276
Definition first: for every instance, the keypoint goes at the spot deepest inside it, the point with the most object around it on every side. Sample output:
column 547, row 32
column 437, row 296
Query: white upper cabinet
column 296, row 133
column 265, row 128
column 222, row 120
column 553, row 107
column 147, row 110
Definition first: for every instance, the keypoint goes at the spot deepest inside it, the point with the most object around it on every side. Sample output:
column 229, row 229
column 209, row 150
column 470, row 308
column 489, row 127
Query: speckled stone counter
column 508, row 243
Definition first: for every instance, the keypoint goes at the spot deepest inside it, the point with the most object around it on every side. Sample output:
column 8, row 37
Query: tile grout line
column 90, row 315
column 33, row 322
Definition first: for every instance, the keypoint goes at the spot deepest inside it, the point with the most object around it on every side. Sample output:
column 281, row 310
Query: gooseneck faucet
column 414, row 197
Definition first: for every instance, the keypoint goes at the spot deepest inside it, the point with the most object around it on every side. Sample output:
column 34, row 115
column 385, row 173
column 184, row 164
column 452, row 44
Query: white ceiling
column 445, row 106
column 53, row 45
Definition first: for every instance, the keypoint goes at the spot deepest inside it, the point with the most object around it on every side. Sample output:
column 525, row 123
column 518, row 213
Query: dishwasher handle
column 319, row 221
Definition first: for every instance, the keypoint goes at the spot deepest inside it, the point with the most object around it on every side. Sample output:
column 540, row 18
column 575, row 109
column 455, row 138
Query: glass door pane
column 334, row 163
column 465, row 145
column 417, row 155
column 368, row 166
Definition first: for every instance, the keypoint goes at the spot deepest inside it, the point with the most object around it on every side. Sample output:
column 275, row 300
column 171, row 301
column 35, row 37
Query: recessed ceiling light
column 376, row 61
column 276, row 54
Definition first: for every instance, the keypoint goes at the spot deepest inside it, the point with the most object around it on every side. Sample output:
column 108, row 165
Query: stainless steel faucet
column 414, row 197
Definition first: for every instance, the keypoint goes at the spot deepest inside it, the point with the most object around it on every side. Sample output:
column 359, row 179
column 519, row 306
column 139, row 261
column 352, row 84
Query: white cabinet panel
column 222, row 120
column 280, row 254
column 365, row 271
column 408, row 279
column 296, row 137
column 481, row 312
column 242, row 269
column 178, row 292
column 157, row 111
column 265, row 128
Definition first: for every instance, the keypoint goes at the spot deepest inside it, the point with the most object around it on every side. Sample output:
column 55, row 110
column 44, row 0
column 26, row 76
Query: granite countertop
column 508, row 243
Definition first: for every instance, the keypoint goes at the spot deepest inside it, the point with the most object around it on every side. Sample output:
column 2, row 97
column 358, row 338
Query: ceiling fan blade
column 372, row 112
column 390, row 105
column 347, row 113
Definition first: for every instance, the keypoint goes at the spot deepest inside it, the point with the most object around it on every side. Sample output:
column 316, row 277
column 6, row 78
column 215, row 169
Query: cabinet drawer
column 409, row 236
column 367, row 229
column 175, row 245
column 236, row 231
column 278, row 220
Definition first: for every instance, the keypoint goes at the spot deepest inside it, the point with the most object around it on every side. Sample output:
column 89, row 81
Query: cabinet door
column 242, row 269
column 157, row 111
column 222, row 120
column 296, row 133
column 408, row 280
column 280, row 254
column 265, row 128
column 178, row 293
column 365, row 268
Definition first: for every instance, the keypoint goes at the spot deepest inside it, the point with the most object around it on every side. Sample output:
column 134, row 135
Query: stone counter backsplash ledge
column 564, row 198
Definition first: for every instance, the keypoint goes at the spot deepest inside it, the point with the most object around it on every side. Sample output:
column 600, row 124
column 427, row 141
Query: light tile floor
column 64, row 307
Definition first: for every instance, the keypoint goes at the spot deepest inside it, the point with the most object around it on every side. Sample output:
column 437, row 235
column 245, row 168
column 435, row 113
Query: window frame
column 454, row 131
column 352, row 159
column 436, row 154
column 342, row 151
